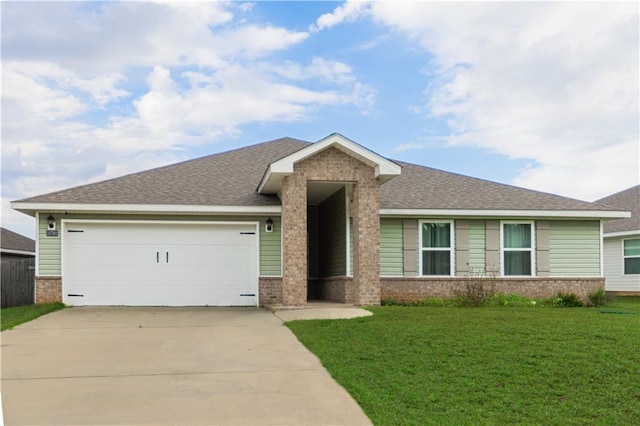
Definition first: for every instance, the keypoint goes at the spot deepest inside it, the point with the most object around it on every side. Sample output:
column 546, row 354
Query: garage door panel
column 160, row 265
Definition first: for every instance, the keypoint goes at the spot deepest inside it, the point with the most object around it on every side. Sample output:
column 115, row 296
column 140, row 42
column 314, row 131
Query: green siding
column 391, row 247
column 270, row 248
column 49, row 259
column 574, row 248
column 312, row 240
column 49, row 262
column 332, row 255
column 477, row 255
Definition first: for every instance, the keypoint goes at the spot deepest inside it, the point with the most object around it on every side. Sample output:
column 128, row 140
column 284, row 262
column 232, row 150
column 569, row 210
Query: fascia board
column 20, row 252
column 144, row 208
column 577, row 214
column 382, row 165
column 621, row 234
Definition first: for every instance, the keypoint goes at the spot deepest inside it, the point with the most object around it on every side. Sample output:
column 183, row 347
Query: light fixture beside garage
column 268, row 225
column 51, row 226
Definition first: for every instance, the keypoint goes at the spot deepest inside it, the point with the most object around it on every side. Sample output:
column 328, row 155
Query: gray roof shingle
column 226, row 179
column 230, row 179
column 629, row 199
column 10, row 240
column 423, row 187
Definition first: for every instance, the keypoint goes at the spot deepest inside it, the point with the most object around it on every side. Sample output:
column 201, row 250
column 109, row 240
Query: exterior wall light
column 52, row 223
column 268, row 225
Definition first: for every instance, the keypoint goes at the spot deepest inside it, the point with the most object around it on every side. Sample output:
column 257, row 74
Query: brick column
column 294, row 240
column 366, row 242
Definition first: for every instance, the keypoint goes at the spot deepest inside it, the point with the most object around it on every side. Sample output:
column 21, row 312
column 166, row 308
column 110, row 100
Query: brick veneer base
column 334, row 289
column 270, row 289
column 48, row 289
column 407, row 289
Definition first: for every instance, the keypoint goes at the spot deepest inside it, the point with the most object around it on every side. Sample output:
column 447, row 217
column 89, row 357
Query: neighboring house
column 17, row 254
column 622, row 244
column 16, row 246
column 285, row 221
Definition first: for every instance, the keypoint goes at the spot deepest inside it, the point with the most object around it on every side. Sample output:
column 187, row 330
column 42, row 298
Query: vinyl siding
column 477, row 247
column 312, row 240
column 49, row 258
column 49, row 262
column 574, row 248
column 332, row 254
column 391, row 247
column 614, row 267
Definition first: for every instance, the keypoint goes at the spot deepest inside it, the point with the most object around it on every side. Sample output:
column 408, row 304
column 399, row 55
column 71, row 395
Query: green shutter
column 477, row 247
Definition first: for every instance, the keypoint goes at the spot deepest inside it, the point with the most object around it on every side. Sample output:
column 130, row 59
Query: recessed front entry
column 160, row 264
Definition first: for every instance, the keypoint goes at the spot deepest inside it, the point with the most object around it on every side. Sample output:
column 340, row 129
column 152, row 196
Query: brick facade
column 334, row 166
column 407, row 289
column 333, row 289
column 270, row 289
column 48, row 289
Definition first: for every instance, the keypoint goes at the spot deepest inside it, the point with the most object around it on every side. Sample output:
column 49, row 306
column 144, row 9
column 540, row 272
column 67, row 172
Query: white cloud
column 410, row 146
column 96, row 90
column 556, row 83
column 347, row 12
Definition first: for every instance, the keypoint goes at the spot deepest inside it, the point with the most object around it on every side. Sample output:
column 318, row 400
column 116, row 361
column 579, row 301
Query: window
column 632, row 256
column 517, row 248
column 435, row 243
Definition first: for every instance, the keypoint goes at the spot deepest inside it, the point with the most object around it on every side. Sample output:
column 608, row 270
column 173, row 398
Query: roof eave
column 480, row 213
column 32, row 208
column 629, row 233
column 17, row 252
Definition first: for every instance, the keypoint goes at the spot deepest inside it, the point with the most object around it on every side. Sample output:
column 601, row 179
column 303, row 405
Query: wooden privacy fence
column 17, row 283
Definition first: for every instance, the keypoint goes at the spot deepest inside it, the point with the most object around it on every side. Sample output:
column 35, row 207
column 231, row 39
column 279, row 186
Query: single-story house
column 622, row 244
column 15, row 246
column 286, row 221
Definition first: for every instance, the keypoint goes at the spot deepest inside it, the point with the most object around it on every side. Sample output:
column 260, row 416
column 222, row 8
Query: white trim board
column 21, row 252
column 621, row 234
column 272, row 179
column 524, row 214
column 145, row 208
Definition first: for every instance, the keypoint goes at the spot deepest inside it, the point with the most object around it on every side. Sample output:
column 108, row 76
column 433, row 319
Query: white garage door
column 147, row 264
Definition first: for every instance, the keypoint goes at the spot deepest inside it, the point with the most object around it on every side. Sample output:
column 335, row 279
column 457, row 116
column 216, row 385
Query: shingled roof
column 226, row 179
column 13, row 241
column 629, row 199
column 230, row 179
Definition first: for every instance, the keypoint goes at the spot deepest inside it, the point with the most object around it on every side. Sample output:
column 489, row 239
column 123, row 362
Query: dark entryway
column 328, row 243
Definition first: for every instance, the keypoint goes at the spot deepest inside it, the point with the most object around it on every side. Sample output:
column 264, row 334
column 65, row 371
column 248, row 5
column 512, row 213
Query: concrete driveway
column 166, row 366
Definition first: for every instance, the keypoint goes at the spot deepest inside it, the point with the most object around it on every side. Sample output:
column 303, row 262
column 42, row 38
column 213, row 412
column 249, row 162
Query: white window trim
column 451, row 249
column 532, row 249
column 624, row 271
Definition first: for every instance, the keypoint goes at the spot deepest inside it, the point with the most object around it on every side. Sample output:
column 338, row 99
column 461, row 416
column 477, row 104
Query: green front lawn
column 459, row 366
column 10, row 317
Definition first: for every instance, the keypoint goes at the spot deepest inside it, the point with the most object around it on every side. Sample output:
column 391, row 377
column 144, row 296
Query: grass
column 11, row 317
column 492, row 365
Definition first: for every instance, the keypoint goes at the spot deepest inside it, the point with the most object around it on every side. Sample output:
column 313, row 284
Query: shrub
column 598, row 297
column 568, row 300
column 513, row 300
column 476, row 291
column 431, row 302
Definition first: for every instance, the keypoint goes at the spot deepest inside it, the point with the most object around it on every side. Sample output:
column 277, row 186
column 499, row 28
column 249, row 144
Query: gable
column 629, row 199
column 271, row 181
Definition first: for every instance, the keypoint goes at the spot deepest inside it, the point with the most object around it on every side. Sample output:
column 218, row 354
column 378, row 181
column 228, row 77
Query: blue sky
column 540, row 95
